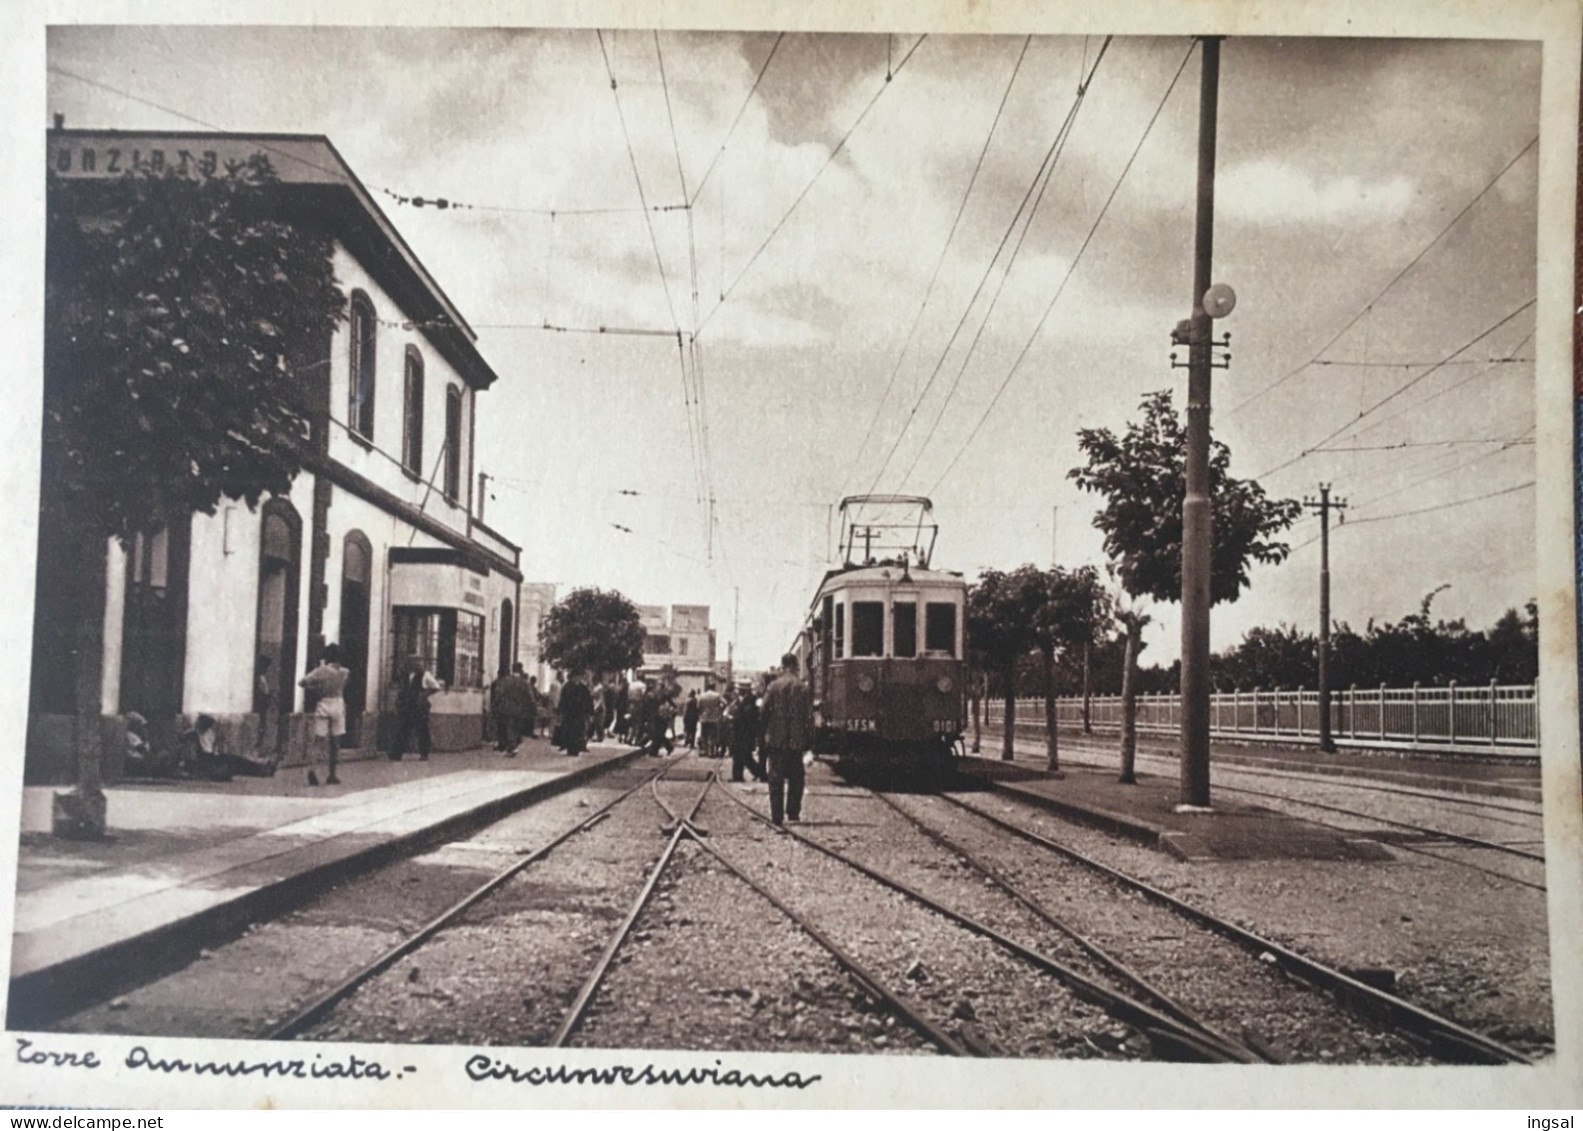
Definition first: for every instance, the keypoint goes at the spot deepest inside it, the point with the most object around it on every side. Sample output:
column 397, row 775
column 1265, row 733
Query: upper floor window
column 360, row 404
column 453, row 443
column 412, row 402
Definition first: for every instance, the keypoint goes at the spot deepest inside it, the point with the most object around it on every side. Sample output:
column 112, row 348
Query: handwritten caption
column 479, row 1068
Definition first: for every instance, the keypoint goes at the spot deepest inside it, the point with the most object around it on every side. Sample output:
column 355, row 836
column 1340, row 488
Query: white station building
column 377, row 547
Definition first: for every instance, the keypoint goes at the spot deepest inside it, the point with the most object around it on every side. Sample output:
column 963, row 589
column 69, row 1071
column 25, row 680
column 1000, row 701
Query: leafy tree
column 593, row 630
column 1001, row 609
column 1283, row 656
column 181, row 313
column 1143, row 476
column 1074, row 601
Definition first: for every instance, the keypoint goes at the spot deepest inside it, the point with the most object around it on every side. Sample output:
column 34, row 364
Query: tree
column 1143, row 477
column 182, row 312
column 1133, row 622
column 592, row 630
column 1073, row 601
column 1001, row 608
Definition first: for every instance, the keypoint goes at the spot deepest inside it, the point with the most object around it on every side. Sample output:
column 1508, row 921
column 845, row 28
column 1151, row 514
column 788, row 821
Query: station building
column 377, row 546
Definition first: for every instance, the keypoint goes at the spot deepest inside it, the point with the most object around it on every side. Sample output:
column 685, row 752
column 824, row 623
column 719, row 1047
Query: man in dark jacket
column 576, row 708
column 788, row 732
column 743, row 719
column 513, row 700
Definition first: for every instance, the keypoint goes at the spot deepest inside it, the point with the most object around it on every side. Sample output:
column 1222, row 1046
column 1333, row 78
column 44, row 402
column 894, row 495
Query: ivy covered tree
column 1142, row 475
column 592, row 630
column 185, row 317
column 182, row 314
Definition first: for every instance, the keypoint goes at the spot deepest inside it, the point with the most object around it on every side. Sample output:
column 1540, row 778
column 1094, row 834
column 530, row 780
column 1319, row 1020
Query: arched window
column 412, row 405
column 360, row 404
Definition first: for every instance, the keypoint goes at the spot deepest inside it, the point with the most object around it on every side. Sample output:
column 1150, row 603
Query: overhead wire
column 417, row 201
column 659, row 262
column 1040, row 178
column 1070, row 268
column 1488, row 367
column 939, row 263
column 700, row 401
column 1398, row 277
column 834, row 153
column 1349, row 425
column 702, row 181
column 1000, row 286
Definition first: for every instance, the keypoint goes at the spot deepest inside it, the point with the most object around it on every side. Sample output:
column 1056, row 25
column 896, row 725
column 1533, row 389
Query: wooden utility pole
column 1324, row 505
column 1197, row 528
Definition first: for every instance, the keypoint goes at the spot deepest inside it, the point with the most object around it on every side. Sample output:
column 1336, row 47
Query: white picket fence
column 1492, row 715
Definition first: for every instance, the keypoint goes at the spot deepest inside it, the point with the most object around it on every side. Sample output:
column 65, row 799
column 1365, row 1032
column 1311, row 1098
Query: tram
column 883, row 643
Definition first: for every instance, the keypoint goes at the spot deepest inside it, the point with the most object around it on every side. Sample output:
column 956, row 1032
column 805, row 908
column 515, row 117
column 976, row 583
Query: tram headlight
column 865, row 683
column 944, row 685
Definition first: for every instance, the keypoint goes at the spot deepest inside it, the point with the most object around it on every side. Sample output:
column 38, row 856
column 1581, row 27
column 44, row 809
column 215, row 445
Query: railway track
column 1440, row 1035
column 1489, row 812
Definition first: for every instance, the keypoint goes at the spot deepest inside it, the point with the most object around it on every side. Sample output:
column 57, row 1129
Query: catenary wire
column 719, row 153
column 934, row 275
column 1398, row 277
column 1319, row 447
column 1070, row 268
column 1005, row 277
column 779, row 224
column 1039, row 177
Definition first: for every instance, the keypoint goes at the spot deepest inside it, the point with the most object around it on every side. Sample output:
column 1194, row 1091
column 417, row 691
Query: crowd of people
column 765, row 729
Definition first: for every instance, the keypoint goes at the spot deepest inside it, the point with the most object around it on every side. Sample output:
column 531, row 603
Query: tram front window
column 868, row 628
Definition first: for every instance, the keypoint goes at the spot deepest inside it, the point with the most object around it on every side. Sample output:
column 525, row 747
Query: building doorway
column 279, row 553
column 355, row 569
column 154, row 640
column 508, row 625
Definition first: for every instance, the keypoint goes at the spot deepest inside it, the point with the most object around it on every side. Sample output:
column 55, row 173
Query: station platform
column 1148, row 812
column 187, row 862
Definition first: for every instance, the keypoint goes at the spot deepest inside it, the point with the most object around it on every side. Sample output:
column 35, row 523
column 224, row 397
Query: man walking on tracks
column 788, row 732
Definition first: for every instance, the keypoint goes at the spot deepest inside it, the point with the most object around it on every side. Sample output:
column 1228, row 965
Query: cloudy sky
column 818, row 369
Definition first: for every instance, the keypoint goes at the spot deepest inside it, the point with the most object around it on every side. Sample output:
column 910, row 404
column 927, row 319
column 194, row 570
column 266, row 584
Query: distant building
column 537, row 599
column 684, row 642
column 376, row 546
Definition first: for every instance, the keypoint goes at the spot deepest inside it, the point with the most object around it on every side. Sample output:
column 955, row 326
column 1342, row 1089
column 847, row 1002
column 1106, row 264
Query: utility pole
column 1055, row 515
column 1197, row 522
column 1324, row 505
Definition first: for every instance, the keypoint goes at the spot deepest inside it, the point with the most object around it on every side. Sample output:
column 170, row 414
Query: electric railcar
column 883, row 643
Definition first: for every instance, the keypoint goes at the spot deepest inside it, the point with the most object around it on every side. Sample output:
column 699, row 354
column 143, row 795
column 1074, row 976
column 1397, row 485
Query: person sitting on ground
column 204, row 755
column 142, row 760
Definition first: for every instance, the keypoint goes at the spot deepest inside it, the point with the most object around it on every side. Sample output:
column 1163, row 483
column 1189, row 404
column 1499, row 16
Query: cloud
column 1273, row 192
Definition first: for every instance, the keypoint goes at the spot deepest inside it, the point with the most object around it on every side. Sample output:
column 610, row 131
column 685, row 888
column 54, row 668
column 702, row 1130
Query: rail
column 1491, row 715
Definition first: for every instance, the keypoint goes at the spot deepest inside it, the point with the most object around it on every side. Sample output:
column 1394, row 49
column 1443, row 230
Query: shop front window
column 450, row 643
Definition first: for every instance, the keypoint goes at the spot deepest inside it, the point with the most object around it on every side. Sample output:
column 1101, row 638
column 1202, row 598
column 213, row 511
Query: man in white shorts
column 327, row 682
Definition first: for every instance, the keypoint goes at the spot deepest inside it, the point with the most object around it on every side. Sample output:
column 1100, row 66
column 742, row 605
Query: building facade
column 538, row 597
column 683, row 642
column 376, row 546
